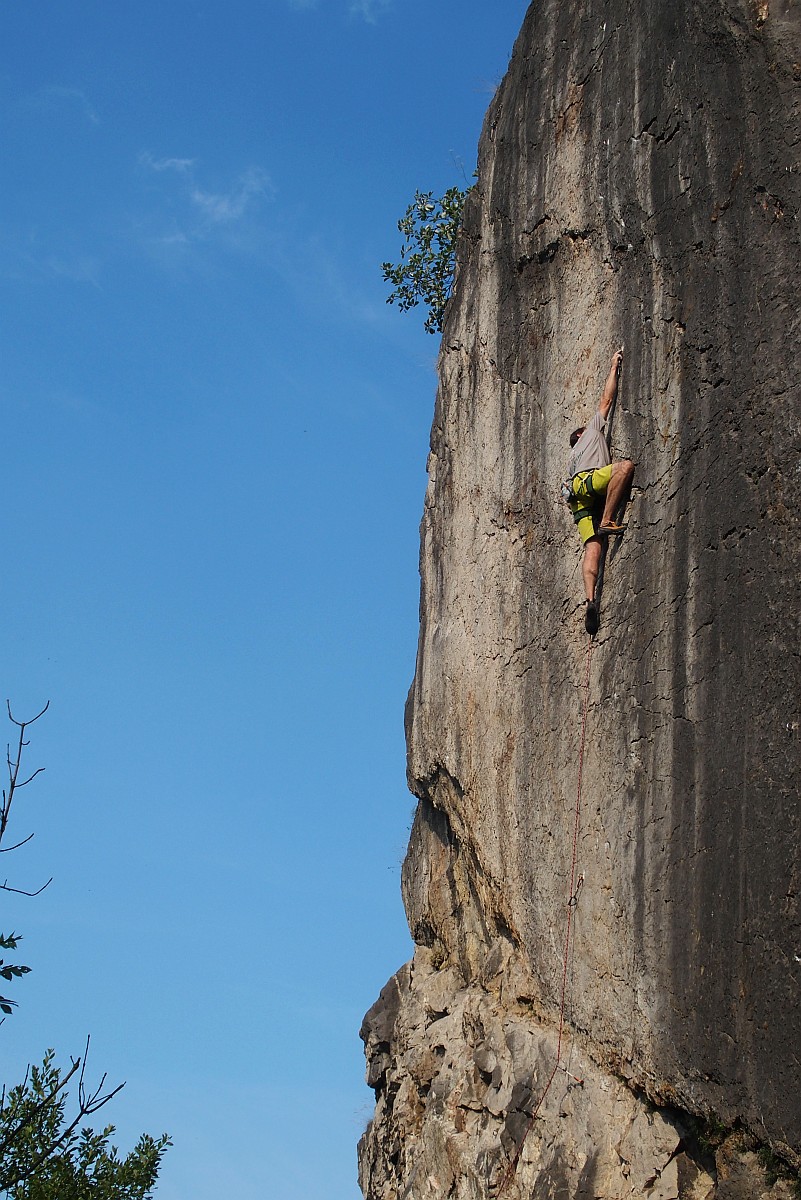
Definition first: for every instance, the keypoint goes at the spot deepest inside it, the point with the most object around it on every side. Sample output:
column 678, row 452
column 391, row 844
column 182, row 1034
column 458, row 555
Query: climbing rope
column 575, row 888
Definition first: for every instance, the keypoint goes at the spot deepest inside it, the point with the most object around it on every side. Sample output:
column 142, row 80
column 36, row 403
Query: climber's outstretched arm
column 610, row 387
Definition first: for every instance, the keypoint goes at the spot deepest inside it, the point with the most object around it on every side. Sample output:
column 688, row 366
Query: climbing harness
column 572, row 903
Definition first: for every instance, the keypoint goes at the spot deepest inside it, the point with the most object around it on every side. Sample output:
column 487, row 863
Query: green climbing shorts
column 589, row 490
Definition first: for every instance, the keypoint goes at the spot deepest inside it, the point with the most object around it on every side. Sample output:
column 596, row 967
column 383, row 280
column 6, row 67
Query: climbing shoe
column 611, row 528
column 591, row 618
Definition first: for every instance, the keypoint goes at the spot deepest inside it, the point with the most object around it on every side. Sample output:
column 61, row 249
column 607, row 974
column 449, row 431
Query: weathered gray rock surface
column 639, row 182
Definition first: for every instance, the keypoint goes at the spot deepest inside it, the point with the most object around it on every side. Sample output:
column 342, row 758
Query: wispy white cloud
column 181, row 165
column 55, row 96
column 225, row 207
column 370, row 10
column 177, row 218
column 193, row 222
column 195, row 214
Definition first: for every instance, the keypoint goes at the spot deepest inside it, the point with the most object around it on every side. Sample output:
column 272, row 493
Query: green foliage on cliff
column 428, row 255
column 775, row 1168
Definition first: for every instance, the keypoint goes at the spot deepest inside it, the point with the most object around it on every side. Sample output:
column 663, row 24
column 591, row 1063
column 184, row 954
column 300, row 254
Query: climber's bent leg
column 618, row 489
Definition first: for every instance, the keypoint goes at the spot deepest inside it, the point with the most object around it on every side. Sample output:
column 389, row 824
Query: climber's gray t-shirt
column 591, row 450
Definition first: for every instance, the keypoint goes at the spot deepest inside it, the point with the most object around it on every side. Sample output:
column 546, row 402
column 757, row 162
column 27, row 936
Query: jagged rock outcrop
column 639, row 182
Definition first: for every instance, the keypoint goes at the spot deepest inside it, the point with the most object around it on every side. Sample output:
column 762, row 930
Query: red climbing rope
column 571, row 904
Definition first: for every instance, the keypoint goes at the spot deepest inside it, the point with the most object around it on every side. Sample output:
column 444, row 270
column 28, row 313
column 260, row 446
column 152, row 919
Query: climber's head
column 576, row 434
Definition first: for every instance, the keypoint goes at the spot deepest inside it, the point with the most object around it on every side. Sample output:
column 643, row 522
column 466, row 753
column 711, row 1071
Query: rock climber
column 596, row 489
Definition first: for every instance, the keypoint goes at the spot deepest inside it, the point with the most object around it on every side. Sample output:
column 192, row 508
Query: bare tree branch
column 25, row 782
column 4, row 887
column 8, row 849
column 13, row 762
column 31, row 720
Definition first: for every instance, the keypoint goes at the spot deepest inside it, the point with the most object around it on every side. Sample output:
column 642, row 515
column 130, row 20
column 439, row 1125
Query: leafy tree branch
column 9, row 971
column 46, row 1152
column 424, row 274
column 46, row 1155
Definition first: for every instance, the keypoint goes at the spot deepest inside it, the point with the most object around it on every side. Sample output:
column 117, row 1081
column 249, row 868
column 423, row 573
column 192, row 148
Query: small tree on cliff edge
column 428, row 255
column 47, row 1152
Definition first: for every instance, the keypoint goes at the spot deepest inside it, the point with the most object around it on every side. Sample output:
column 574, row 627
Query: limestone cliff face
column 639, row 183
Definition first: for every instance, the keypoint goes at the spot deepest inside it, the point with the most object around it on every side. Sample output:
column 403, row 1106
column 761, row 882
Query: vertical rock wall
column 639, row 182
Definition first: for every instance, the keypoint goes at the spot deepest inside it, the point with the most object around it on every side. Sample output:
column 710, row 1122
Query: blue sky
column 215, row 435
